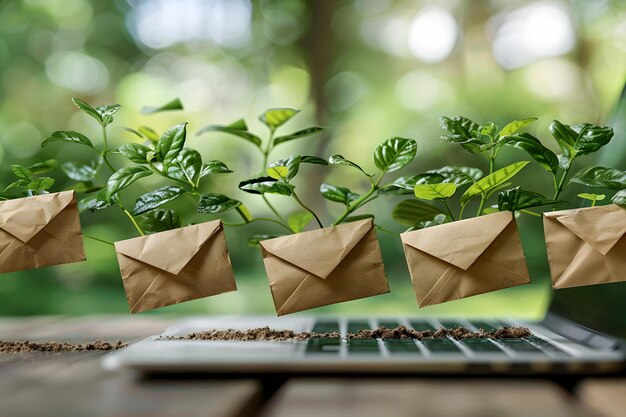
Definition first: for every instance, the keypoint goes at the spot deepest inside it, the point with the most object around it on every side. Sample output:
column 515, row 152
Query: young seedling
column 391, row 155
column 28, row 182
column 278, row 180
column 166, row 156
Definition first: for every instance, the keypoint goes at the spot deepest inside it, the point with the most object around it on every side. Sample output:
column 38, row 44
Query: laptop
column 583, row 332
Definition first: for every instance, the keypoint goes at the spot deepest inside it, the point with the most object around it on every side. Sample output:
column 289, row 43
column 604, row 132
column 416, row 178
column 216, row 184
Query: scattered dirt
column 20, row 347
column 400, row 332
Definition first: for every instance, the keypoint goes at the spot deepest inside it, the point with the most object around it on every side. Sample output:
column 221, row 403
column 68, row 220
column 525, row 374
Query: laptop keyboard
column 533, row 345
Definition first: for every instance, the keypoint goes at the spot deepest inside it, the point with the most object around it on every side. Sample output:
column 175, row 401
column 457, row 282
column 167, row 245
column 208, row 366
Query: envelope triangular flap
column 332, row 245
column 459, row 243
column 25, row 217
column 171, row 250
column 600, row 227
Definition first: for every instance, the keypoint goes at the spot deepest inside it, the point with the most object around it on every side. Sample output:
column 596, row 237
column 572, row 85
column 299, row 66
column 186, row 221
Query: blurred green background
column 366, row 69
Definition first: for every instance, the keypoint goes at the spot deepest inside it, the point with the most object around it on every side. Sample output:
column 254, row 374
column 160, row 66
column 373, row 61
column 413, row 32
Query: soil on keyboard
column 400, row 332
column 26, row 346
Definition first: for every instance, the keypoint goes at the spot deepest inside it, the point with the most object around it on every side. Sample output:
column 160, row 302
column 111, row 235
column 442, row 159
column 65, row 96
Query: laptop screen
column 600, row 307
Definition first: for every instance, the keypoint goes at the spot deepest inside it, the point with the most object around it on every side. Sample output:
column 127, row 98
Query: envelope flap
column 600, row 227
column 459, row 243
column 170, row 250
column 331, row 245
column 25, row 217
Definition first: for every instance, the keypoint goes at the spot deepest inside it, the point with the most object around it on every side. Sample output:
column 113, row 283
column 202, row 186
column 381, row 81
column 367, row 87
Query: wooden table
column 73, row 384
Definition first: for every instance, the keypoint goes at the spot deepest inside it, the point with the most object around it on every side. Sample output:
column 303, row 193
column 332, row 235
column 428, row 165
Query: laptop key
column 441, row 346
column 481, row 346
column 326, row 327
column 402, row 346
column 356, row 326
column 520, row 346
column 421, row 326
column 323, row 345
column 363, row 346
column 546, row 346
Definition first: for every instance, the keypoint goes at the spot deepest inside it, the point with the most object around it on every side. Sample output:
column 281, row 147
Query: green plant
column 277, row 179
column 28, row 182
column 164, row 155
column 391, row 155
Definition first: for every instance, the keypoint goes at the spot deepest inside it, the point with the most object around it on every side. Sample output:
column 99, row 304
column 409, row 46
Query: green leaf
column 297, row 135
column 338, row 194
column 244, row 213
column 237, row 128
column 149, row 133
column 157, row 198
column 340, row 160
column 274, row 118
column 464, row 132
column 214, row 167
column 171, row 143
column 434, row 191
column 172, row 105
column 216, row 203
column 159, row 221
column 134, row 152
column 458, row 175
column 298, row 221
column 518, row 199
column 84, row 187
column 619, row 198
column 278, row 172
column 411, row 212
column 67, row 136
column 123, row 178
column 81, row 172
column 87, row 109
column 290, row 164
column 565, row 137
column 592, row 197
column 107, row 112
column 308, row 159
column 41, row 184
column 544, row 156
column 187, row 166
column 133, row 131
column 357, row 217
column 514, row 126
column 492, row 181
column 611, row 178
column 591, row 138
column 394, row 153
column 256, row 239
column 17, row 184
column 22, row 172
column 42, row 167
column 264, row 185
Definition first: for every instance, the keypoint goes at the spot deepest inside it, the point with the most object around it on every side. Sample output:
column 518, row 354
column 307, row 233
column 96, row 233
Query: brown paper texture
column 325, row 266
column 175, row 266
column 586, row 246
column 464, row 258
column 39, row 231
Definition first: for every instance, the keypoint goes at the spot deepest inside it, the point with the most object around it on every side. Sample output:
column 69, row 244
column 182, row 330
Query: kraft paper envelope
column 174, row 266
column 40, row 231
column 464, row 258
column 325, row 266
column 586, row 246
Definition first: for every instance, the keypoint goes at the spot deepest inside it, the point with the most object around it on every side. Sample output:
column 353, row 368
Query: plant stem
column 445, row 203
column 105, row 140
column 481, row 205
column 242, row 214
column 593, row 203
column 295, row 196
column 132, row 219
column 532, row 213
column 268, row 149
column 273, row 209
column 559, row 187
column 265, row 219
column 461, row 212
column 356, row 203
column 99, row 240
